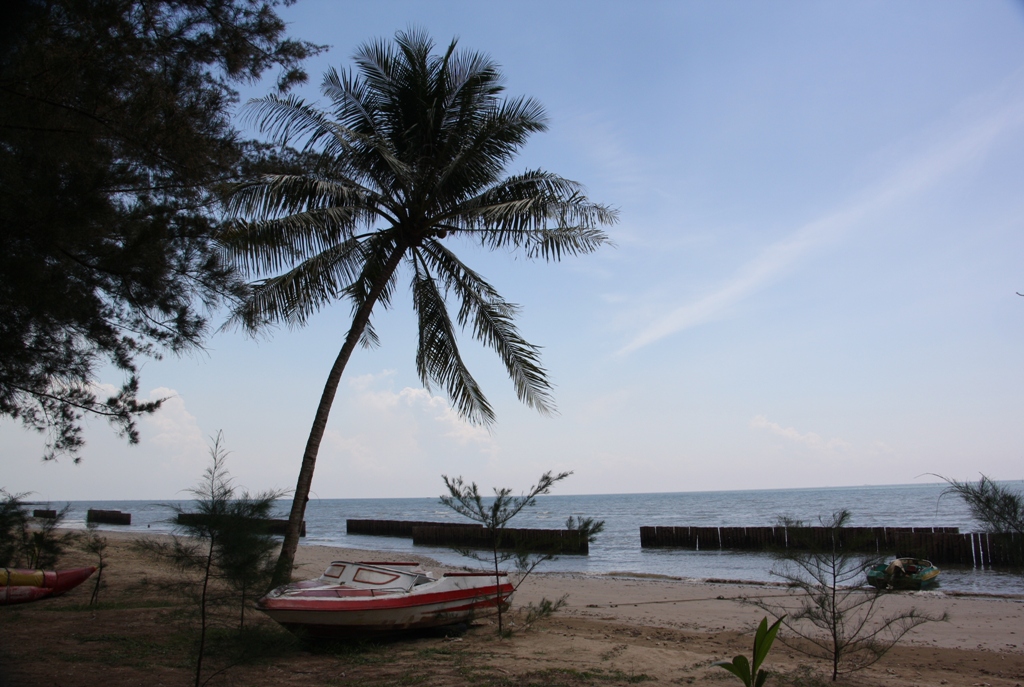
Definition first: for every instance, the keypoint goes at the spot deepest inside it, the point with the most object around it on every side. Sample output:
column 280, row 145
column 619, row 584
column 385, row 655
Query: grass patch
column 252, row 645
column 114, row 606
column 569, row 677
column 351, row 651
column 171, row 650
column 803, row 676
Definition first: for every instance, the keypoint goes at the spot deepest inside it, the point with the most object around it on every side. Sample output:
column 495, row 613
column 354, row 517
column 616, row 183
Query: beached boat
column 372, row 597
column 21, row 586
column 903, row 573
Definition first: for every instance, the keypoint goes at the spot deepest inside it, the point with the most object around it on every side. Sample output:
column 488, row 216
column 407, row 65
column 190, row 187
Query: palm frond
column 413, row 144
column 300, row 292
column 368, row 144
column 437, row 356
column 492, row 320
column 284, row 194
column 285, row 118
column 374, row 253
column 545, row 215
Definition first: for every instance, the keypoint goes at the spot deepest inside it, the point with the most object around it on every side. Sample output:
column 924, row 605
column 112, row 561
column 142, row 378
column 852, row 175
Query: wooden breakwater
column 941, row 545
column 271, row 526
column 108, row 517
column 566, row 542
column 44, row 513
column 397, row 528
column 470, row 536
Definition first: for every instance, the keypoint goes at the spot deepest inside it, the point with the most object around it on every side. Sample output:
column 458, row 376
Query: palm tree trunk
column 286, row 560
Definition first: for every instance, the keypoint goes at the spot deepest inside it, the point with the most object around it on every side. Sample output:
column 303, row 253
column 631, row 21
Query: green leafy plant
column 750, row 672
column 466, row 499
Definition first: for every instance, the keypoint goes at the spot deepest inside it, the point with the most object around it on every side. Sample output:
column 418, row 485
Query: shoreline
column 986, row 622
column 305, row 565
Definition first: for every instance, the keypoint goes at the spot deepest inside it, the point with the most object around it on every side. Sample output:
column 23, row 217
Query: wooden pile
column 470, row 536
column 940, row 545
column 272, row 526
column 108, row 517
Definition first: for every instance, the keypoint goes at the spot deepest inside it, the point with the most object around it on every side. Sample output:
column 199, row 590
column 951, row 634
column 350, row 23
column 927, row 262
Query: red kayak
column 22, row 586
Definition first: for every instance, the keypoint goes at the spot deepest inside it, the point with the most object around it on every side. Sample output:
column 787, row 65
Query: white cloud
column 811, row 440
column 420, row 403
column 413, row 407
column 942, row 157
column 174, row 429
column 391, row 441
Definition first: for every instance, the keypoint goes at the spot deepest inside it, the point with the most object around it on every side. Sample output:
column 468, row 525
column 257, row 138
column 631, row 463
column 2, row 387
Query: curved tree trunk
column 286, row 560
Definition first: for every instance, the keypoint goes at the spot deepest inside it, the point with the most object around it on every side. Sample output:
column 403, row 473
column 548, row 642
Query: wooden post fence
column 471, row 536
column 940, row 545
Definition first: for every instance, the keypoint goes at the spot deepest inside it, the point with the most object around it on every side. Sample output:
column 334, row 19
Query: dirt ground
column 614, row 631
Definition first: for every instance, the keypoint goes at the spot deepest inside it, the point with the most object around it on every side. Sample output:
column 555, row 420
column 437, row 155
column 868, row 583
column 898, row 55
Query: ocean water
column 617, row 549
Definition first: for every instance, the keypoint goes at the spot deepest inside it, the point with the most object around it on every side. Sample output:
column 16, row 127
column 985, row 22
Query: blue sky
column 813, row 283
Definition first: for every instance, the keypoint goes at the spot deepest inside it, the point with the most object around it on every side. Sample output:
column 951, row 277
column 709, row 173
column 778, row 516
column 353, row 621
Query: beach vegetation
column 410, row 158
column 116, row 138
column 13, row 525
column 494, row 513
column 96, row 545
column 225, row 553
column 828, row 613
column 997, row 507
column 749, row 671
column 27, row 542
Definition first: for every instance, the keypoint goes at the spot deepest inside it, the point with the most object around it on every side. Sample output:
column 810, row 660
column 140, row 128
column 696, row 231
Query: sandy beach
column 614, row 629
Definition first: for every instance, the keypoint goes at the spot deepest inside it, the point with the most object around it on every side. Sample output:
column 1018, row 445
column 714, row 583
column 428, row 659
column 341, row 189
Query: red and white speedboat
column 372, row 597
column 21, row 586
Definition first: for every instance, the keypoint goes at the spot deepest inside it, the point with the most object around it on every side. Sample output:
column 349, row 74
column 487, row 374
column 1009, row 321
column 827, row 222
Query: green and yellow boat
column 903, row 573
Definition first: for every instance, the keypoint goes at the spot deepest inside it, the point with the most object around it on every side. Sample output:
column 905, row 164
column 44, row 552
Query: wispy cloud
column 809, row 439
column 940, row 159
column 421, row 403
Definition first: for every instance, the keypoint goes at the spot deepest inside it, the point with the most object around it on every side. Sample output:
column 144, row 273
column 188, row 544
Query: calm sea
column 617, row 549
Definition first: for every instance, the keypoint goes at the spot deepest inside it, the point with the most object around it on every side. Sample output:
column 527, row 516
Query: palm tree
column 410, row 155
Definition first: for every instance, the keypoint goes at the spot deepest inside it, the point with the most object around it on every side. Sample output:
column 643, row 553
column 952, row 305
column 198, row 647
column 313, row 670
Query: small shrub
column 838, row 620
column 465, row 499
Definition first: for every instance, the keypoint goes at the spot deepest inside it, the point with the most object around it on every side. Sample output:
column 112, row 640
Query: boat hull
column 326, row 610
column 23, row 586
column 913, row 574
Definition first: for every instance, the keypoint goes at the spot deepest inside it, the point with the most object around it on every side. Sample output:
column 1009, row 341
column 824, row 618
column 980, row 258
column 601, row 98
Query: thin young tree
column 96, row 545
column 411, row 156
column 226, row 541
column 494, row 513
column 830, row 615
